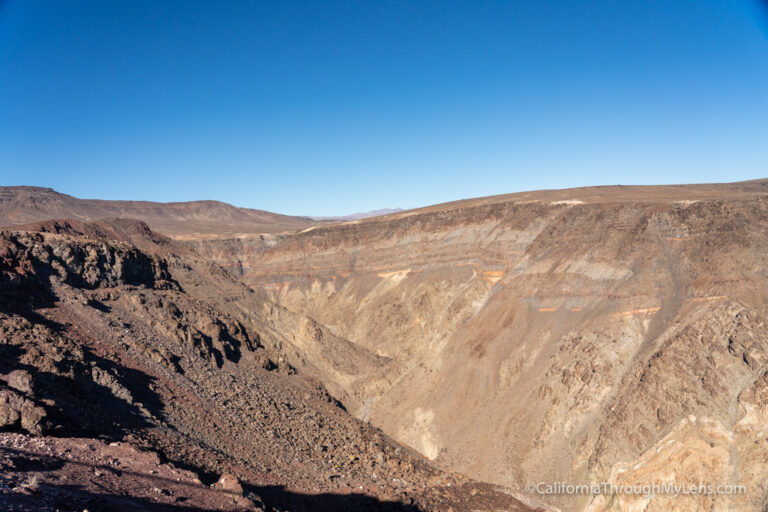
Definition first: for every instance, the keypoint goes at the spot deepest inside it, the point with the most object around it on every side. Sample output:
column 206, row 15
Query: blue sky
column 328, row 108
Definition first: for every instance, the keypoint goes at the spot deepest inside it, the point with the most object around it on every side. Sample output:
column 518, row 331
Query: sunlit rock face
column 596, row 335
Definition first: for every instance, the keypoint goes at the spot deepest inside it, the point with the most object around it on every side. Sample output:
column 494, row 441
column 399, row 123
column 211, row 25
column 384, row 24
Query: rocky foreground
column 128, row 383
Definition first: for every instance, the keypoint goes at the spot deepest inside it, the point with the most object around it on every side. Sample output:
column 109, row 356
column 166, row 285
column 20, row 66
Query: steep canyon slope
column 133, row 373
column 600, row 334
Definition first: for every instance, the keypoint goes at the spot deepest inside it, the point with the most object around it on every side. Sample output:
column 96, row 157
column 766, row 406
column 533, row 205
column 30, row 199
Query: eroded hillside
column 607, row 334
column 136, row 363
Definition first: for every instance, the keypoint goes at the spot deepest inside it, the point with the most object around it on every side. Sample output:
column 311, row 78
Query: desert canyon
column 206, row 357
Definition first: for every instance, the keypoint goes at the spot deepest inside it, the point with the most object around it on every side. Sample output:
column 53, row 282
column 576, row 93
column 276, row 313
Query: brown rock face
column 608, row 334
column 27, row 261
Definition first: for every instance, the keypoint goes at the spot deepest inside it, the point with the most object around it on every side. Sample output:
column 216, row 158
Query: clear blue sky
column 329, row 108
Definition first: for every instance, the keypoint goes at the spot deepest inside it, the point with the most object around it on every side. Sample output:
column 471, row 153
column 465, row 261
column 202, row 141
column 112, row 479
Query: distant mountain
column 360, row 215
column 183, row 220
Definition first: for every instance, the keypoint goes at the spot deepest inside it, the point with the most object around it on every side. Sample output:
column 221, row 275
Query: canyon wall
column 615, row 335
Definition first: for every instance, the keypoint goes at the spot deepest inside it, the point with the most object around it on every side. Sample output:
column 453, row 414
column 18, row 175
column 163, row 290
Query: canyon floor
column 605, row 334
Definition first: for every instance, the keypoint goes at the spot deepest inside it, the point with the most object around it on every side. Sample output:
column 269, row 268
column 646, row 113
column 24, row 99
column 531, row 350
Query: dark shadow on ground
column 25, row 301
column 283, row 499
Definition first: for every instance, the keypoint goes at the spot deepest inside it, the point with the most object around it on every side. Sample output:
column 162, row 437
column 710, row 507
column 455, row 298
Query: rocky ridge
column 188, row 220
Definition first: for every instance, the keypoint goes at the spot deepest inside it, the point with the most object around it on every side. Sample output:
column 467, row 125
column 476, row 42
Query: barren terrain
column 112, row 334
column 587, row 335
column 189, row 220
column 605, row 334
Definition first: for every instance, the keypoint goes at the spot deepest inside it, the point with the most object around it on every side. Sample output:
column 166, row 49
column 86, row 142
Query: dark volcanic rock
column 28, row 259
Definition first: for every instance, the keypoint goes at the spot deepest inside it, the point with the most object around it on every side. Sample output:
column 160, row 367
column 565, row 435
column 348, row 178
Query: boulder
column 229, row 483
column 20, row 380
